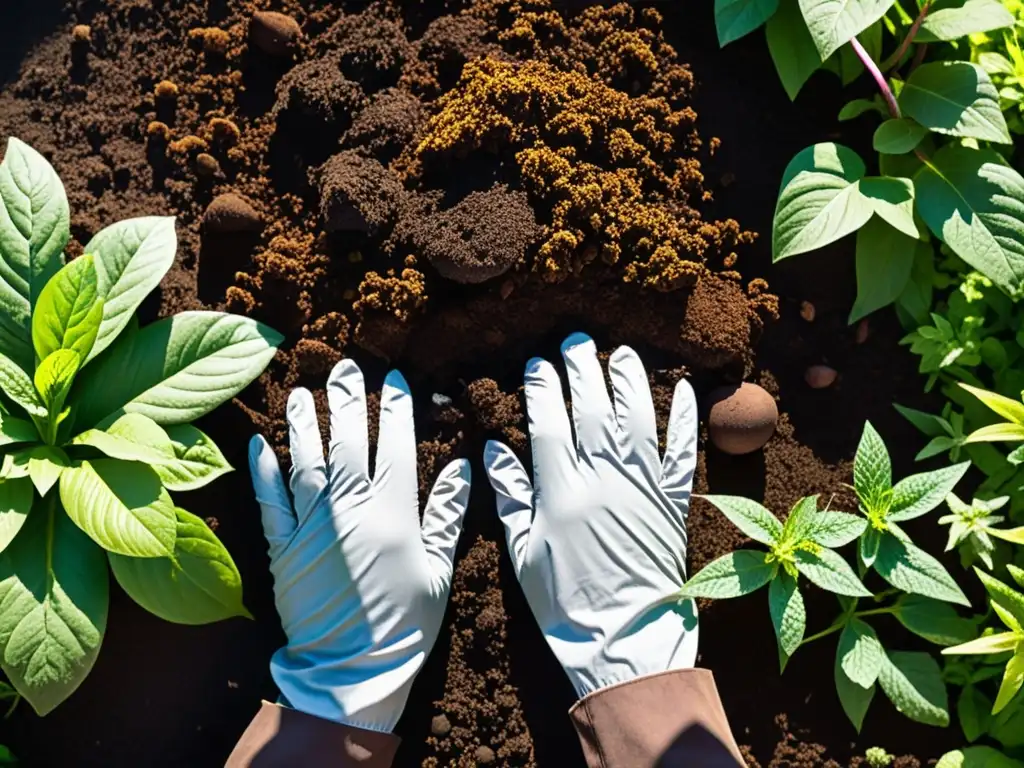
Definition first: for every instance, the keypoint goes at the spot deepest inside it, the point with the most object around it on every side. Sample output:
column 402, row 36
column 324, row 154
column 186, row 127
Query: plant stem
column 876, row 611
column 839, row 624
column 894, row 60
column 876, row 73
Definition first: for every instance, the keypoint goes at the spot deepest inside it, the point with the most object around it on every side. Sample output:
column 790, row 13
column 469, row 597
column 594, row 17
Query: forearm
column 279, row 737
column 669, row 720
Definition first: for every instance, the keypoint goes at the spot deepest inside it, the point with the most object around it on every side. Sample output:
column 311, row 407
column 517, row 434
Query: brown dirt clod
column 276, row 34
column 230, row 212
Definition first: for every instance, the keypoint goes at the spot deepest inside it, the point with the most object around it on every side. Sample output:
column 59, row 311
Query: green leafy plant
column 972, row 528
column 95, row 433
column 1012, row 430
column 805, row 545
column 877, row 757
column 977, row 757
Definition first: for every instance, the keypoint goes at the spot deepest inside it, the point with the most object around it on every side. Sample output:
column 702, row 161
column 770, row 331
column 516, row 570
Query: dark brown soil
column 594, row 155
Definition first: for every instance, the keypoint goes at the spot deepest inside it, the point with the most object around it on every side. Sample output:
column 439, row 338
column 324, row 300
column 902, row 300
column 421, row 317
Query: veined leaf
column 913, row 683
column 1002, row 595
column 801, row 519
column 15, row 502
column 854, row 699
column 892, row 198
column 833, row 23
column 872, row 471
column 68, row 313
column 830, row 571
column 977, row 757
column 750, row 517
column 133, row 437
column 199, row 584
column 860, row 653
column 996, row 433
column 53, row 585
column 121, row 505
column 792, row 49
column 131, row 257
column 898, row 135
column 1009, row 409
column 34, row 228
column 885, row 258
column 177, row 369
column 913, row 570
column 988, row 645
column 956, row 98
column 1013, row 679
column 43, row 464
column 974, row 203
column 953, row 19
column 836, row 529
column 54, row 377
column 738, row 573
column 736, row 18
column 18, row 386
column 867, row 547
column 919, row 494
column 933, row 620
column 788, row 615
column 197, row 460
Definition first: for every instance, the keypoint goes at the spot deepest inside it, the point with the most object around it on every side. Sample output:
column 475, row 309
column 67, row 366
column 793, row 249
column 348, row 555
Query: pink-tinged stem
column 897, row 57
column 876, row 73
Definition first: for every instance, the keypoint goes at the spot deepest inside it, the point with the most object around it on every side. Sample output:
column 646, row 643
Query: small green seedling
column 946, row 431
column 885, row 546
column 1008, row 605
column 877, row 757
column 971, row 527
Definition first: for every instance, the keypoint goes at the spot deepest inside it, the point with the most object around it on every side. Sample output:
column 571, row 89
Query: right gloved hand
column 598, row 541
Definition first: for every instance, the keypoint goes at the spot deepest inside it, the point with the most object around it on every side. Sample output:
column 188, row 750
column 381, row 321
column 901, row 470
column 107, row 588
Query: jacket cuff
column 671, row 719
column 279, row 737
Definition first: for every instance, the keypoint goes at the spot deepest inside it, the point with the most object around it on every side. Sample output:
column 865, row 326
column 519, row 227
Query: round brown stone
column 231, row 213
column 484, row 755
column 440, row 726
column 742, row 418
column 273, row 32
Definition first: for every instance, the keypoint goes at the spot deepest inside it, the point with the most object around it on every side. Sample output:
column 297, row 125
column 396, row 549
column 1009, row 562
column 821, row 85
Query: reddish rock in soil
column 274, row 33
column 231, row 213
column 741, row 419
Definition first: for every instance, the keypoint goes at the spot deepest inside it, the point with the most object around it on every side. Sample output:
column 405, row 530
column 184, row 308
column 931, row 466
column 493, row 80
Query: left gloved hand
column 360, row 585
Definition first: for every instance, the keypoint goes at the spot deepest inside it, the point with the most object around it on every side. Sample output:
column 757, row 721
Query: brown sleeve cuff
column 279, row 737
column 669, row 720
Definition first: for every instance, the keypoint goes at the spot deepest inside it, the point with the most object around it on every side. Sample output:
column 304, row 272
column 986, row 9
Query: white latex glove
column 598, row 541
column 360, row 585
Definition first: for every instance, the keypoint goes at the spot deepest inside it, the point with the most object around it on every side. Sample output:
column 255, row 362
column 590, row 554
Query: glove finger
column 275, row 507
column 550, row 434
column 513, row 497
column 309, row 471
column 591, row 407
column 349, row 448
column 681, row 447
column 442, row 519
column 396, row 445
column 634, row 409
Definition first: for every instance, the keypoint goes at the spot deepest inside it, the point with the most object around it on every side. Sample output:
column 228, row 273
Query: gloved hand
column 360, row 585
column 598, row 541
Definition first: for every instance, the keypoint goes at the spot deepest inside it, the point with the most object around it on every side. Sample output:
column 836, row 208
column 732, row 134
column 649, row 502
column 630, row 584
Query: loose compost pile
column 447, row 188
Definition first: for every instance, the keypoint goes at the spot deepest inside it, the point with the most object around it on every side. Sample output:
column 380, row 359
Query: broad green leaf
column 987, row 645
column 738, row 573
column 820, row 201
column 53, row 586
column 15, row 502
column 736, row 18
column 885, row 258
column 913, row 682
column 860, row 653
column 956, row 98
column 197, row 460
column 995, row 63
column 974, row 203
column 34, row 228
column 177, row 369
column 44, row 465
column 973, row 709
column 750, row 517
column 977, row 757
column 833, row 23
column 18, row 386
column 54, row 377
column 836, row 529
column 1012, row 535
column 788, row 615
column 1008, row 408
column 68, row 313
column 133, row 437
column 907, row 567
column 132, row 256
column 1007, row 727
column 892, row 198
column 121, row 505
column 953, row 19
column 915, row 302
column 801, row 520
column 854, row 699
column 1013, row 679
column 872, row 472
column 1003, row 595
column 830, row 571
column 198, row 585
column 898, row 135
column 792, row 49
column 14, row 430
column 919, row 494
column 933, row 620
column 996, row 433
column 867, row 547
column 857, row 107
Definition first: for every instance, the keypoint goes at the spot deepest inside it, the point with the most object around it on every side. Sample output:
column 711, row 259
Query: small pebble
column 807, row 311
column 207, row 165
column 742, row 418
column 484, row 755
column 231, row 213
column 274, row 33
column 820, row 376
column 82, row 33
column 441, row 401
column 863, row 331
column 440, row 726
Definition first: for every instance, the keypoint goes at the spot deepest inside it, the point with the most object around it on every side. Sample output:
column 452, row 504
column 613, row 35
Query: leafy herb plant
column 95, row 432
column 972, row 528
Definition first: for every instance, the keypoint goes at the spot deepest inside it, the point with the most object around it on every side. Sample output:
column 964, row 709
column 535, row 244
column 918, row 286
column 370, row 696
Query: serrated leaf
column 860, row 653
column 53, row 586
column 919, row 494
column 976, row 206
column 18, row 386
column 34, row 228
column 913, row 682
column 121, row 505
column 198, row 585
column 973, row 709
column 977, row 757
column 176, row 369
column 751, row 518
column 872, row 471
column 898, row 135
column 956, row 98
column 953, row 19
column 131, row 258
column 197, row 460
column 792, row 49
column 885, row 258
column 830, row 571
column 1008, row 408
column 800, row 520
column 1013, row 679
column 69, row 311
column 854, row 699
column 836, row 529
column 933, row 620
column 907, row 567
column 737, row 18
column 789, row 618
column 738, row 573
column 15, row 502
column 833, row 23
column 1003, row 595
